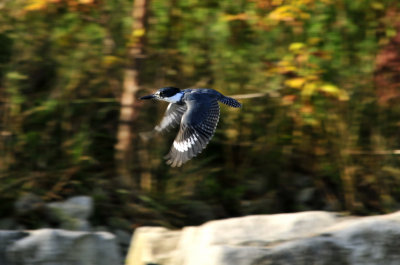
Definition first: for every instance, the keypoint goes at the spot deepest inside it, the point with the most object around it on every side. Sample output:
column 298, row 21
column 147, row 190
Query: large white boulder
column 153, row 244
column 298, row 238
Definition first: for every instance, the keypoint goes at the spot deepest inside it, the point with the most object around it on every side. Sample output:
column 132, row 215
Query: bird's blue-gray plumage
column 197, row 112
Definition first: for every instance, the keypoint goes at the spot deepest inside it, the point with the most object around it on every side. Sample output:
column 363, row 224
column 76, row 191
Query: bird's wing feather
column 231, row 102
column 172, row 117
column 197, row 128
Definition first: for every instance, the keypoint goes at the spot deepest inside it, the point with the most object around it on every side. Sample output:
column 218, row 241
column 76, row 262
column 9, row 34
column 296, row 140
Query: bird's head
column 169, row 94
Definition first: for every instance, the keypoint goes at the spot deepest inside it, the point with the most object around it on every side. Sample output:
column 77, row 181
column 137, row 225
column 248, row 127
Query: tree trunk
column 123, row 148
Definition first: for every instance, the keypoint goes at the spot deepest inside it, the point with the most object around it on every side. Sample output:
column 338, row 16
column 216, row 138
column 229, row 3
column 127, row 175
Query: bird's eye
column 162, row 94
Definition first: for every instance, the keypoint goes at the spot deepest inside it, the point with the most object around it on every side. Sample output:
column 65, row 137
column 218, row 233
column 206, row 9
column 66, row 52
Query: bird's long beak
column 148, row 97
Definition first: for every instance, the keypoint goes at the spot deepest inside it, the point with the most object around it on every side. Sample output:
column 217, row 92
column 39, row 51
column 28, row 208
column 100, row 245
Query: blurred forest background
column 320, row 130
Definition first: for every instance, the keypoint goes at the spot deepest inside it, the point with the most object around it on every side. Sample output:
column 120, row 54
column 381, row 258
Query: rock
column 366, row 242
column 79, row 207
column 6, row 237
column 152, row 245
column 54, row 247
column 73, row 213
column 30, row 211
column 28, row 203
column 123, row 237
column 298, row 239
column 306, row 195
column 256, row 230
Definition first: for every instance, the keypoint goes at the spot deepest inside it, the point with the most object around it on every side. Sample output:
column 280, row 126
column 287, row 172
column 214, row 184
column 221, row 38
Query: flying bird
column 197, row 113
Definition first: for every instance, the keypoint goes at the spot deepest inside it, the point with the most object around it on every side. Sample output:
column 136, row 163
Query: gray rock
column 371, row 243
column 299, row 239
column 123, row 237
column 79, row 207
column 260, row 230
column 27, row 203
column 7, row 238
column 61, row 247
column 72, row 213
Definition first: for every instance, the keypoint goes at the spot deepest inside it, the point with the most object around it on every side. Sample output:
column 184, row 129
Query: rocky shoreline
column 304, row 238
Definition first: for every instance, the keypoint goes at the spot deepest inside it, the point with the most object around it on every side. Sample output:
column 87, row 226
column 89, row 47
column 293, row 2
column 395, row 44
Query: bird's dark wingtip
column 173, row 161
column 231, row 102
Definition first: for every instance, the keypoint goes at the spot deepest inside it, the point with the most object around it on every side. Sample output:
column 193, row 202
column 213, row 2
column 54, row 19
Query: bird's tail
column 231, row 102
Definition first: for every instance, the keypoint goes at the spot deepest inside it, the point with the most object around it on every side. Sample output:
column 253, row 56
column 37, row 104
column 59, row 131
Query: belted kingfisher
column 197, row 112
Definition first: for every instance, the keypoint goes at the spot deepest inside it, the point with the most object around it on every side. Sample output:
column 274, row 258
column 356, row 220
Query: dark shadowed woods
column 322, row 132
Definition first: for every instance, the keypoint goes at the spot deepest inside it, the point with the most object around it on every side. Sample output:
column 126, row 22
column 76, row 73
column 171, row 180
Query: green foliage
column 320, row 138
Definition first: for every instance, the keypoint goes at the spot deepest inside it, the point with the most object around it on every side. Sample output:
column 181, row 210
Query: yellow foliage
column 110, row 60
column 330, row 89
column 377, row 5
column 302, row 2
column 232, row 133
column 287, row 13
column 343, row 95
column 296, row 46
column 335, row 91
column 283, row 67
column 314, row 40
column 312, row 77
column 36, row 5
column 295, row 82
column 138, row 32
column 276, row 2
column 278, row 14
column 308, row 90
column 311, row 121
column 228, row 17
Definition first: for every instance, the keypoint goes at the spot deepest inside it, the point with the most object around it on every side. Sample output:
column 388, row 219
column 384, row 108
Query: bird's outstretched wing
column 197, row 128
column 172, row 117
